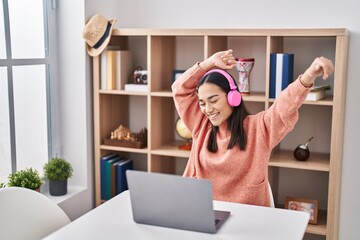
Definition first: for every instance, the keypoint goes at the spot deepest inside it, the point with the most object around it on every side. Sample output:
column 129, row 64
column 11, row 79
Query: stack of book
column 113, row 178
column 116, row 67
column 317, row 92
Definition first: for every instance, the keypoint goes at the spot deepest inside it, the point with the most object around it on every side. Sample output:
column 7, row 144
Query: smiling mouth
column 212, row 116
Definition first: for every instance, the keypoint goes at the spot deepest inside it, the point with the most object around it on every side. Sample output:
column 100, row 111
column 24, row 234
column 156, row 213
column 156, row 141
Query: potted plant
column 27, row 178
column 57, row 171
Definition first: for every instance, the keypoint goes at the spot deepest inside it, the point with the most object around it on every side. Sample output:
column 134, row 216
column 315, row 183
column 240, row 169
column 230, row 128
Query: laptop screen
column 172, row 201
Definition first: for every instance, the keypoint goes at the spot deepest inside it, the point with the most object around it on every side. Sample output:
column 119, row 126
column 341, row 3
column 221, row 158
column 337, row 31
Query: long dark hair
column 234, row 122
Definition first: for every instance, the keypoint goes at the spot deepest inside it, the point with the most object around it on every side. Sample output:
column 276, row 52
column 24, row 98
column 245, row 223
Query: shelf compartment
column 116, row 110
column 307, row 127
column 138, row 45
column 285, row 159
column 110, row 117
column 244, row 47
column 251, row 47
column 163, row 115
column 170, row 53
column 306, row 49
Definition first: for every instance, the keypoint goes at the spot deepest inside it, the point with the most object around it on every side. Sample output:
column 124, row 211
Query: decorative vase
column 302, row 152
column 244, row 67
column 58, row 187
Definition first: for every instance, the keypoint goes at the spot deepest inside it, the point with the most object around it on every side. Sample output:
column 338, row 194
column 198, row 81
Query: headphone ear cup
column 234, row 98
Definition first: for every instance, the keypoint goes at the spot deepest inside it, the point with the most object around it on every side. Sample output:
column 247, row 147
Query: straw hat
column 97, row 34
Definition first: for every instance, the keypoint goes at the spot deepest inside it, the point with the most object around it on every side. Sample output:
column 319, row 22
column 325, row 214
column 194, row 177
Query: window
column 25, row 63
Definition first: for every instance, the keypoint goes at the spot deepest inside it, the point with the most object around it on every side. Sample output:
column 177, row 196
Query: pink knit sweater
column 236, row 175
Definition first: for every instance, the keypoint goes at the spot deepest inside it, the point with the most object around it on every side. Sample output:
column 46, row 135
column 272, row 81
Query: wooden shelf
column 316, row 161
column 122, row 92
column 124, row 149
column 317, row 32
column 163, row 50
column 327, row 101
column 255, row 97
column 162, row 94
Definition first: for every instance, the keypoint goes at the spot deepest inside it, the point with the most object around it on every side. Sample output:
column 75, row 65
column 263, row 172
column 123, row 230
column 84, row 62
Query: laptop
column 173, row 201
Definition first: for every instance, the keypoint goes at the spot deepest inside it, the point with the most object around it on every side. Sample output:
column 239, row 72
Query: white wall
column 210, row 14
column 74, row 105
column 74, row 102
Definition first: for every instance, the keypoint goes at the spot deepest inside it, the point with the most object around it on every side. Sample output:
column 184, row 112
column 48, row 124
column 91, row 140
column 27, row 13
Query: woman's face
column 213, row 103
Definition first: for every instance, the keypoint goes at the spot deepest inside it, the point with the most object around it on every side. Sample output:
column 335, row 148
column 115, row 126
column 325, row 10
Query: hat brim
column 97, row 51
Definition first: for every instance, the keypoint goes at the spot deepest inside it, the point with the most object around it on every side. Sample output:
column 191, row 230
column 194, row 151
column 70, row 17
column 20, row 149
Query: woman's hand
column 321, row 66
column 222, row 59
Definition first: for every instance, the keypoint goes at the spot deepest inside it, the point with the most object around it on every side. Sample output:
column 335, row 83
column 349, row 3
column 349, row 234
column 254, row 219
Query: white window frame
column 50, row 64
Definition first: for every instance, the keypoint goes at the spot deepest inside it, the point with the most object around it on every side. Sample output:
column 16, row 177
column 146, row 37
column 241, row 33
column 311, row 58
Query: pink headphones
column 234, row 96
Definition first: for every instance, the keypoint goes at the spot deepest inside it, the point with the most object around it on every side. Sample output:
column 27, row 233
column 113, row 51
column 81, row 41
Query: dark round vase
column 301, row 153
column 58, row 187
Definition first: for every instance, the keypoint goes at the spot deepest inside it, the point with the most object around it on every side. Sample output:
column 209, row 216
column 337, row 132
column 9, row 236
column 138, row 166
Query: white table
column 113, row 220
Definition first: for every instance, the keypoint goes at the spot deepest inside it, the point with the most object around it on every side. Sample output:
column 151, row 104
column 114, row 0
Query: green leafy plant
column 57, row 169
column 27, row 178
column 2, row 185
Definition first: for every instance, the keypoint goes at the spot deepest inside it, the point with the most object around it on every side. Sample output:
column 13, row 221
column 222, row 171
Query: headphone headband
column 226, row 75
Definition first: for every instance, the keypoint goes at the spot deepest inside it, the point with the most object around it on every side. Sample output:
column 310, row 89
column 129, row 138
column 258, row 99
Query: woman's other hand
column 222, row 59
column 321, row 66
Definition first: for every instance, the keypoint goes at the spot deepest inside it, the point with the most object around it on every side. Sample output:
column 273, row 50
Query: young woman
column 230, row 147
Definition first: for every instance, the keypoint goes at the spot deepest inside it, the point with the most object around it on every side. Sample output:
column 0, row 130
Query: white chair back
column 27, row 214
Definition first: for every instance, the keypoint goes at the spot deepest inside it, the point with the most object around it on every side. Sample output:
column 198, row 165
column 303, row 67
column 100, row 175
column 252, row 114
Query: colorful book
column 281, row 72
column 110, row 70
column 118, row 67
column 107, row 178
column 121, row 167
column 110, row 177
column 103, row 173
